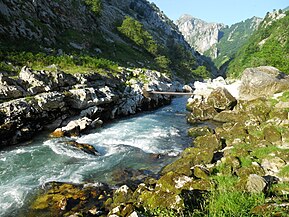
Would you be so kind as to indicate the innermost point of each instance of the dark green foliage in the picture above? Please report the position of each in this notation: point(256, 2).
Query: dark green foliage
point(173, 57)
point(269, 45)
point(135, 31)
point(202, 72)
point(233, 38)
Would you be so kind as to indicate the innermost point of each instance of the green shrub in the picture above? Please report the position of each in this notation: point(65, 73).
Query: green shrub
point(95, 5)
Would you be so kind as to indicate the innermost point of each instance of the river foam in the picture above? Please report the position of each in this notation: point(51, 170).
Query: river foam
point(133, 142)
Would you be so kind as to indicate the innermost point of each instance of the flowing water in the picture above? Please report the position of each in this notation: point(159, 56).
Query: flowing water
point(132, 142)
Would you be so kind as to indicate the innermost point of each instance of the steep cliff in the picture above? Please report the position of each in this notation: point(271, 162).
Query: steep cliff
point(218, 41)
point(269, 45)
point(91, 27)
point(200, 34)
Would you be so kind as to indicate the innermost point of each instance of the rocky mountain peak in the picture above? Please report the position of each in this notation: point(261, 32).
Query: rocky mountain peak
point(200, 34)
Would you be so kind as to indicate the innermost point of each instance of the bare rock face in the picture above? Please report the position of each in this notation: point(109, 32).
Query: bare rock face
point(43, 81)
point(200, 34)
point(262, 81)
point(9, 88)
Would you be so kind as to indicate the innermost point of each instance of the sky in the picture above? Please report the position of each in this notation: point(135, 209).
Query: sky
point(219, 11)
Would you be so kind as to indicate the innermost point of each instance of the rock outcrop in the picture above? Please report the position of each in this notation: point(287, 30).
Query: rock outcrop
point(262, 81)
point(74, 103)
point(200, 34)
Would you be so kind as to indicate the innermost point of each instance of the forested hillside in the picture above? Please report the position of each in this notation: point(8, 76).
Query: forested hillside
point(269, 45)
point(232, 39)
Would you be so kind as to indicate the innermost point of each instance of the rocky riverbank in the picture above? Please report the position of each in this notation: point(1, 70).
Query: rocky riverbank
point(74, 103)
point(238, 168)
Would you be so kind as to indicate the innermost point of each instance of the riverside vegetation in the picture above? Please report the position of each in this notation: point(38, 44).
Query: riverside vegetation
point(74, 80)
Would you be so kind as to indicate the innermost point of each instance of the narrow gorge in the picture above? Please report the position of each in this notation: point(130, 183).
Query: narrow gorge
point(85, 130)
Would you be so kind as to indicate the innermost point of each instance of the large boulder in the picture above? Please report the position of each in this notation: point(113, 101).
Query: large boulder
point(262, 81)
point(221, 99)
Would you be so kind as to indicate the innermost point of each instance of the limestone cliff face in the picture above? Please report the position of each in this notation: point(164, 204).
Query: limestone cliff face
point(200, 34)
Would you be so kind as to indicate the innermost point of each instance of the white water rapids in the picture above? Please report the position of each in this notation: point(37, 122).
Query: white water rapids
point(126, 143)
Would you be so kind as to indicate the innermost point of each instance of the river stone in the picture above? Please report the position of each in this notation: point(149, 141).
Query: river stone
point(32, 80)
point(262, 81)
point(87, 148)
point(272, 134)
point(200, 172)
point(272, 166)
point(65, 199)
point(208, 142)
point(199, 131)
point(82, 98)
point(221, 99)
point(73, 128)
point(256, 184)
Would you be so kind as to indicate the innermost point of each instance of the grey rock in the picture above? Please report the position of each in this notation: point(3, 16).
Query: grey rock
point(256, 184)
point(82, 98)
point(262, 81)
point(10, 89)
point(44, 81)
point(272, 166)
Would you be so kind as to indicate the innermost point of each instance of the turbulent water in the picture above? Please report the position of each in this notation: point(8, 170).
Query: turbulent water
point(127, 143)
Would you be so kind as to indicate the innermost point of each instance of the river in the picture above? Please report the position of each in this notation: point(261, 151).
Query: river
point(132, 143)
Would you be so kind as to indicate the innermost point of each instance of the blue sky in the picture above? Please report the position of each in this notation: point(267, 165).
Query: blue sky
point(221, 11)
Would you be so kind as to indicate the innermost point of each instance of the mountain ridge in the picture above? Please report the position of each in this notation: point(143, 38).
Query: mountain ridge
point(221, 41)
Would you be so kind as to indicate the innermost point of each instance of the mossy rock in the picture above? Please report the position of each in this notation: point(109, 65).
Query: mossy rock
point(228, 116)
point(62, 199)
point(208, 142)
point(256, 131)
point(122, 195)
point(229, 165)
point(280, 189)
point(201, 113)
point(279, 113)
point(200, 172)
point(270, 209)
point(221, 99)
point(154, 200)
point(172, 182)
point(248, 170)
point(203, 185)
point(254, 109)
point(189, 158)
point(272, 134)
point(199, 131)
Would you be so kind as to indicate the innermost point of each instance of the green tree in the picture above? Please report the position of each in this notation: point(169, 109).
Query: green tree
point(135, 31)
point(163, 62)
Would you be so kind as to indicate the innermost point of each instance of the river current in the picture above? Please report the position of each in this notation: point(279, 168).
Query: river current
point(132, 142)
